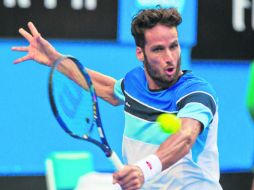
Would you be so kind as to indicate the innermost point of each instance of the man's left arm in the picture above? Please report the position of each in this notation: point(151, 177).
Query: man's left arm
point(169, 152)
point(179, 144)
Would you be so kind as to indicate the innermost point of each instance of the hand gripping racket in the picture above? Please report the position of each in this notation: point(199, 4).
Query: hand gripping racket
point(74, 104)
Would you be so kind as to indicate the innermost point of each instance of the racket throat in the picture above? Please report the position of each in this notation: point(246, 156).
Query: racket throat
point(108, 151)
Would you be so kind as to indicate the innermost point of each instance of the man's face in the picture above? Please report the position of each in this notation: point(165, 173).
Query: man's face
point(161, 57)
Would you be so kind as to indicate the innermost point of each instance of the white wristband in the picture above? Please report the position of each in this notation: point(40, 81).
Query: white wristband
point(150, 166)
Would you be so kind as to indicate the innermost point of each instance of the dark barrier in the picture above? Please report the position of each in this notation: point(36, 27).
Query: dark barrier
point(225, 30)
point(90, 19)
point(229, 181)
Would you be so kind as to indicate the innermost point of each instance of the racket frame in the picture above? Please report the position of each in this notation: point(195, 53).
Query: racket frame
point(96, 115)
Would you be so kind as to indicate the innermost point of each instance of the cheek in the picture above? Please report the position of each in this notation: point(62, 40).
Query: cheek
point(178, 54)
point(156, 60)
point(175, 59)
point(158, 67)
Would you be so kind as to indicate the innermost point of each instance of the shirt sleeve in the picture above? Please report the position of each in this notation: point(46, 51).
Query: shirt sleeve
point(119, 91)
point(199, 105)
point(198, 112)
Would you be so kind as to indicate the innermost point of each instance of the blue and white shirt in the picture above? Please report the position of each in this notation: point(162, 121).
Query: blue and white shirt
point(190, 97)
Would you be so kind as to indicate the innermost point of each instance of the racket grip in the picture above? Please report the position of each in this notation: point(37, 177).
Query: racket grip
point(116, 161)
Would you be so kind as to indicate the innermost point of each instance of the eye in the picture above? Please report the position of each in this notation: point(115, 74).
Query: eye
point(174, 46)
point(157, 49)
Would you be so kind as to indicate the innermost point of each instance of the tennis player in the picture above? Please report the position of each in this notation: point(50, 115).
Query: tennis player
point(186, 160)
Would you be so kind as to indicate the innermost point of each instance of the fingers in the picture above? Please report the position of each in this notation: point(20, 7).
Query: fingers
point(25, 34)
point(119, 175)
point(25, 58)
point(134, 184)
point(130, 181)
point(33, 29)
point(129, 178)
point(24, 48)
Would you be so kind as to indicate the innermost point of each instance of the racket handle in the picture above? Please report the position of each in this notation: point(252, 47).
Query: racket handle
point(116, 161)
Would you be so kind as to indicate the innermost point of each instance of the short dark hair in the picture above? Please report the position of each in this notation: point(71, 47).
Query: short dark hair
point(148, 18)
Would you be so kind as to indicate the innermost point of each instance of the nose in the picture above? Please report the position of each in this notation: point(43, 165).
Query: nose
point(168, 57)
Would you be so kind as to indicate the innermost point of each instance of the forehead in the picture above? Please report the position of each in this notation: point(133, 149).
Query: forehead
point(161, 34)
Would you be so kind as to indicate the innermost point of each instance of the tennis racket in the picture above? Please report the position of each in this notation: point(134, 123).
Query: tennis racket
point(75, 108)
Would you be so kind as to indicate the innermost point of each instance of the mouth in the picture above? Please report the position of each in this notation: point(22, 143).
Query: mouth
point(170, 71)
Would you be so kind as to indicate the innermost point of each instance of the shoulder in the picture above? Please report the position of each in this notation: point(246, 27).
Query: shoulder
point(190, 83)
point(137, 73)
point(193, 89)
point(135, 79)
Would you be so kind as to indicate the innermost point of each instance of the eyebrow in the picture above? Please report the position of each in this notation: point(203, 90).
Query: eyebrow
point(175, 41)
point(160, 45)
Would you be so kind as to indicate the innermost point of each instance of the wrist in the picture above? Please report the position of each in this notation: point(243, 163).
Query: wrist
point(150, 166)
point(58, 60)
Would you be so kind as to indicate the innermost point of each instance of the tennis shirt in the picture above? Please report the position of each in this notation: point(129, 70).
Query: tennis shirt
point(190, 97)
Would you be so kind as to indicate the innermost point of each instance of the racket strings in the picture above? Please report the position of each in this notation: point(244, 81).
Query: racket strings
point(75, 108)
point(74, 104)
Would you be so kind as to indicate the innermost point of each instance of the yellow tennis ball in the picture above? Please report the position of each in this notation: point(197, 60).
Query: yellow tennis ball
point(169, 123)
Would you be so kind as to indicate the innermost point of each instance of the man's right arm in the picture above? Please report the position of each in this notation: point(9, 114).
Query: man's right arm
point(41, 51)
point(104, 87)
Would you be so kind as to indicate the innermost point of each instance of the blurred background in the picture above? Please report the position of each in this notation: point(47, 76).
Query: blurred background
point(217, 44)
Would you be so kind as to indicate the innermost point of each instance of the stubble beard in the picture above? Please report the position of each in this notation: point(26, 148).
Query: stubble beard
point(161, 81)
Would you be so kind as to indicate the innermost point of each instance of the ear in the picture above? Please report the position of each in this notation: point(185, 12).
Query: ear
point(139, 54)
